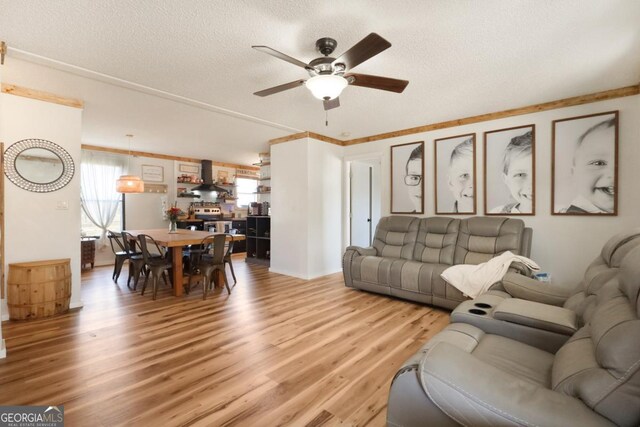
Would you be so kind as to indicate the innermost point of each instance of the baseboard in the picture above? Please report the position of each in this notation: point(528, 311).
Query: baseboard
point(286, 273)
point(76, 304)
point(3, 350)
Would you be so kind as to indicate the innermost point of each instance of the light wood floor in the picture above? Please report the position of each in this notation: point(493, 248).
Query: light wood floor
point(278, 351)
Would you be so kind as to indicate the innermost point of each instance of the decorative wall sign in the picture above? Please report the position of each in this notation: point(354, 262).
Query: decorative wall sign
point(407, 172)
point(455, 174)
point(585, 165)
point(38, 165)
point(509, 171)
point(194, 169)
point(152, 173)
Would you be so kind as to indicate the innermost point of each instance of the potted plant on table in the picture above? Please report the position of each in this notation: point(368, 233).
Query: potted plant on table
point(173, 213)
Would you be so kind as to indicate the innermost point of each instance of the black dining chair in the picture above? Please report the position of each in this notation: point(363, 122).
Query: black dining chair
point(119, 251)
point(136, 260)
point(227, 255)
point(157, 265)
point(207, 261)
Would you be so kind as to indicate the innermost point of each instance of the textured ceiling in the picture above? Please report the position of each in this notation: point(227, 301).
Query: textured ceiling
point(461, 57)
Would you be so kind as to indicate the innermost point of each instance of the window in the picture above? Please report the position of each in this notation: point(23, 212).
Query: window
point(101, 203)
point(90, 229)
point(246, 190)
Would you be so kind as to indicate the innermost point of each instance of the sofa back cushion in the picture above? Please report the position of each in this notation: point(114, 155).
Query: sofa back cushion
point(482, 238)
point(396, 236)
point(436, 241)
point(600, 364)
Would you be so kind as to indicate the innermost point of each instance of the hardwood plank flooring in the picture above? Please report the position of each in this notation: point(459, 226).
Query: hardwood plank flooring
point(277, 351)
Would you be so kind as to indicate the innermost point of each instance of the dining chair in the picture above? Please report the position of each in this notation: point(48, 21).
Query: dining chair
point(155, 262)
point(136, 260)
point(227, 255)
point(119, 252)
point(207, 261)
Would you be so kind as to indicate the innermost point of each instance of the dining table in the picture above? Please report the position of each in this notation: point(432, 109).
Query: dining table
point(174, 241)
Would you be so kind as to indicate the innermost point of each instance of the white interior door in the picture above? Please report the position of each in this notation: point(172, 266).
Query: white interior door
point(365, 201)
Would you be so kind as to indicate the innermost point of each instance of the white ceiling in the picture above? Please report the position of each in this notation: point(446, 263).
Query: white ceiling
point(462, 58)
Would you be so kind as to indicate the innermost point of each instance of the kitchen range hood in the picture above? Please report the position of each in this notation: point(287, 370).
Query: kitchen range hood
point(207, 179)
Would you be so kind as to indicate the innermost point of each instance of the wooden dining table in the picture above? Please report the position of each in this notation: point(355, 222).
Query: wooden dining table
point(175, 241)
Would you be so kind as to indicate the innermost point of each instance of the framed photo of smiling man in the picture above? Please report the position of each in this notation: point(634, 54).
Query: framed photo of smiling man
point(509, 171)
point(407, 171)
point(585, 165)
point(455, 174)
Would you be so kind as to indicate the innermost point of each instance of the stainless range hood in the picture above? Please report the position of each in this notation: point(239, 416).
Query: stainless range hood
point(207, 178)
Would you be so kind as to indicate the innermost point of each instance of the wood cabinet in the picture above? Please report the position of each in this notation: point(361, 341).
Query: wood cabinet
point(87, 251)
point(259, 240)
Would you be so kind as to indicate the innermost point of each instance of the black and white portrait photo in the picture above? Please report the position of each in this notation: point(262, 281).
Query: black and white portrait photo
point(455, 175)
point(585, 160)
point(407, 171)
point(509, 171)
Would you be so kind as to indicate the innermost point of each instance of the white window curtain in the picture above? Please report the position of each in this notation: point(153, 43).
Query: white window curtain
point(100, 201)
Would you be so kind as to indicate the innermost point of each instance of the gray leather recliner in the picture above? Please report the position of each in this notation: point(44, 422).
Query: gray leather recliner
point(530, 311)
point(466, 376)
point(409, 254)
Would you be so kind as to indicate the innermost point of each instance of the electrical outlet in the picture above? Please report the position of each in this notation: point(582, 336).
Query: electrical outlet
point(62, 205)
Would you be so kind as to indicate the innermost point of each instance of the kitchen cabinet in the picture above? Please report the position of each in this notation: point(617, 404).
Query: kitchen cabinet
point(258, 240)
point(241, 226)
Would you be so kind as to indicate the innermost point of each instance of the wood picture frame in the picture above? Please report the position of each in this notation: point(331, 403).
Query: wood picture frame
point(407, 178)
point(510, 171)
point(455, 175)
point(191, 169)
point(152, 173)
point(584, 165)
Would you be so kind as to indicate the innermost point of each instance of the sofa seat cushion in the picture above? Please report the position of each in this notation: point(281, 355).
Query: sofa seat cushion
point(415, 276)
point(524, 361)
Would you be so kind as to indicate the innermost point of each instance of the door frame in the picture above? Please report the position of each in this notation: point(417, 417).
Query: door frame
point(346, 202)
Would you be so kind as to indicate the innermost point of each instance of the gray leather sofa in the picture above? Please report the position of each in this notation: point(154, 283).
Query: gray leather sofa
point(409, 254)
point(542, 314)
point(466, 376)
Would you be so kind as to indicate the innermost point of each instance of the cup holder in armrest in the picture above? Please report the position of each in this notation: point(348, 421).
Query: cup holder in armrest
point(482, 305)
point(477, 311)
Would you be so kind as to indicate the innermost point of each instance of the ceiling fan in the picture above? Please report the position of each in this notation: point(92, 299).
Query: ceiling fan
point(329, 76)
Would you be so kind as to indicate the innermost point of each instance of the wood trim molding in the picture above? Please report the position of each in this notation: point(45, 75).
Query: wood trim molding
point(552, 105)
point(164, 157)
point(288, 138)
point(41, 95)
point(306, 134)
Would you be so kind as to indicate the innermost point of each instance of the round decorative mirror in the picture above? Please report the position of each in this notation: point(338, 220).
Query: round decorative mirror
point(38, 165)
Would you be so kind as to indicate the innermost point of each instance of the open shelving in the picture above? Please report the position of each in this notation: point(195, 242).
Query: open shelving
point(258, 240)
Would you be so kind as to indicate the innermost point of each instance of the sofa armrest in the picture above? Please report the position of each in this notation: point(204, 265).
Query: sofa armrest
point(473, 392)
point(519, 286)
point(363, 251)
point(540, 316)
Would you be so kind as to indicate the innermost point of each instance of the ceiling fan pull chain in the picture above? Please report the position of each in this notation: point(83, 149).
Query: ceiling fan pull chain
point(326, 118)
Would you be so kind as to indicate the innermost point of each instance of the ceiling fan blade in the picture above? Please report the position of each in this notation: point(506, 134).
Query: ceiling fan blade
point(280, 55)
point(365, 49)
point(279, 88)
point(377, 82)
point(331, 103)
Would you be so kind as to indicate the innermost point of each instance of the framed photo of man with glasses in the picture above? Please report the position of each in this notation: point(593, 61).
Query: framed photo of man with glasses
point(407, 172)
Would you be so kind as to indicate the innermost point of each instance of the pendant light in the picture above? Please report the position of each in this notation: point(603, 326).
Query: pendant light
point(129, 183)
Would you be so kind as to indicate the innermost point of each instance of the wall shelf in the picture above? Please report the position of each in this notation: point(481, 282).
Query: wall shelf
point(258, 238)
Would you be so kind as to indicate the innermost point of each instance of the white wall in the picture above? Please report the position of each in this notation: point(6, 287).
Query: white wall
point(307, 208)
point(289, 208)
point(35, 229)
point(562, 245)
point(324, 201)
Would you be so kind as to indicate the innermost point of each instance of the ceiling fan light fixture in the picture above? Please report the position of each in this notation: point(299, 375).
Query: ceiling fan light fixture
point(326, 86)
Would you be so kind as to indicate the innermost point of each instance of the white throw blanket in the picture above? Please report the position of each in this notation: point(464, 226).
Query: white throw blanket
point(472, 280)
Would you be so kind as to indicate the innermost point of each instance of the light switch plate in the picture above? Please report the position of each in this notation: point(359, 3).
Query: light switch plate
point(62, 205)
